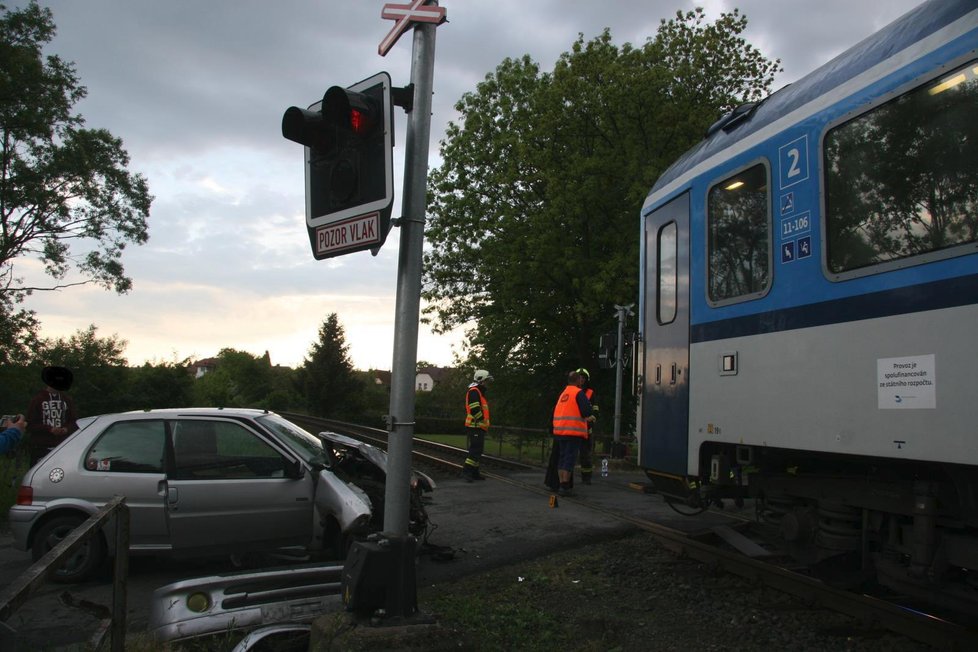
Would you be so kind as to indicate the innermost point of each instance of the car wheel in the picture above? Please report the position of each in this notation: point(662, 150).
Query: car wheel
point(78, 565)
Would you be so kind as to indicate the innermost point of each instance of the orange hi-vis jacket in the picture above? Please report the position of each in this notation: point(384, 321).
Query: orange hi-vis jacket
point(568, 420)
point(476, 414)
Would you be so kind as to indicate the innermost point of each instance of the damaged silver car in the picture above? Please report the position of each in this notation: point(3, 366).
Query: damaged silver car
point(207, 481)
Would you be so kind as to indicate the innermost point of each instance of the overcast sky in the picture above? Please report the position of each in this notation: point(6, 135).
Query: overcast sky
point(196, 90)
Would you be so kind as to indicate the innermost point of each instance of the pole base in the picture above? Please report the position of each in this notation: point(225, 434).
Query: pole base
point(378, 578)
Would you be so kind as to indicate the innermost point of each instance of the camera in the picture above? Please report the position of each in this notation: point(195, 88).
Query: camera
point(9, 418)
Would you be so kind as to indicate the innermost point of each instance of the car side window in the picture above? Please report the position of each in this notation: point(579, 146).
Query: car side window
point(128, 447)
point(221, 450)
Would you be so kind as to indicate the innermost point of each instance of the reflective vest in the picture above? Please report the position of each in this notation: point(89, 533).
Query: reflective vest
point(470, 419)
point(568, 421)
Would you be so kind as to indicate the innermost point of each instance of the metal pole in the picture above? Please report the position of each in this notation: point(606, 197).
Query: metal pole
point(619, 363)
point(408, 308)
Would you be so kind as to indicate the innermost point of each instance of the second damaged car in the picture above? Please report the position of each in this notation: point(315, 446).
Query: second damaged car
point(207, 481)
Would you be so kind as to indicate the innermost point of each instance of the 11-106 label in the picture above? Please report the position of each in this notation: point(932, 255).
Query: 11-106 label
point(792, 226)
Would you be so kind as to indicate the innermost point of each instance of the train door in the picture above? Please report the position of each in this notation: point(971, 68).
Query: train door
point(665, 400)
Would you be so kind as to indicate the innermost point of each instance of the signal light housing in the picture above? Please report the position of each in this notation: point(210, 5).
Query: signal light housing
point(348, 136)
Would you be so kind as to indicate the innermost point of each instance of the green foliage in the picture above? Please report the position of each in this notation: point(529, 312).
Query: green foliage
point(163, 385)
point(18, 333)
point(376, 400)
point(97, 364)
point(102, 381)
point(66, 197)
point(241, 379)
point(83, 349)
point(534, 212)
point(326, 380)
point(447, 399)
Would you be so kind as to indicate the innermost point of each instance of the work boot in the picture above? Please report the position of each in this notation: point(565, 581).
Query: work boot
point(478, 476)
point(564, 490)
point(467, 474)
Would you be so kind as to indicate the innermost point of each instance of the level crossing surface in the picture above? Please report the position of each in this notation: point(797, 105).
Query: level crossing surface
point(508, 518)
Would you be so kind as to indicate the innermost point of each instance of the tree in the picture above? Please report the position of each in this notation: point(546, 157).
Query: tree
point(97, 364)
point(19, 336)
point(66, 196)
point(83, 349)
point(239, 379)
point(160, 385)
point(326, 379)
point(534, 211)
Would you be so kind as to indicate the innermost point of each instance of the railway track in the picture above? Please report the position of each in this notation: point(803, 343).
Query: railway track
point(447, 458)
point(726, 550)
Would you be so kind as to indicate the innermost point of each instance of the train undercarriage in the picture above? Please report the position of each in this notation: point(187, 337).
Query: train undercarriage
point(911, 527)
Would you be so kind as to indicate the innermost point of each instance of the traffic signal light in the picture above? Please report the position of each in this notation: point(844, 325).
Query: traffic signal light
point(348, 136)
point(607, 350)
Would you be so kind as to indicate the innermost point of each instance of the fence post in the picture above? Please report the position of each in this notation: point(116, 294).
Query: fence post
point(17, 592)
point(120, 579)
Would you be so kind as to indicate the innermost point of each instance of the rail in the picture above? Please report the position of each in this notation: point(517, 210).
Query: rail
point(509, 442)
point(424, 450)
point(18, 591)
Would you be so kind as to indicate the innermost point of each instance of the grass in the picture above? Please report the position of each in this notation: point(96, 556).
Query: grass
point(532, 450)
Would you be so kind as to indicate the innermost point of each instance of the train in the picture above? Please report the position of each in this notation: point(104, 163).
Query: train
point(808, 312)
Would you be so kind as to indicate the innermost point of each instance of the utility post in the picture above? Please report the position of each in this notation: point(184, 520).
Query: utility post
point(401, 582)
point(408, 306)
point(348, 137)
point(617, 450)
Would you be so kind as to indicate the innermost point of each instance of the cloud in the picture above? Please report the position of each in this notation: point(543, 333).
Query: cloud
point(196, 91)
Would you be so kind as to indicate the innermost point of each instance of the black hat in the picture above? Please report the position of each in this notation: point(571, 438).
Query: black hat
point(59, 378)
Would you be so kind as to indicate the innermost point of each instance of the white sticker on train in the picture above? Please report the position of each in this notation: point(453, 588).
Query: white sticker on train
point(907, 383)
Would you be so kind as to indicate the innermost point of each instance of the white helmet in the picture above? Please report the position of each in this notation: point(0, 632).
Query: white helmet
point(481, 375)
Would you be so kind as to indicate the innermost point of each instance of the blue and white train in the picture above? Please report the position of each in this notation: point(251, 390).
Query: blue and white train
point(809, 309)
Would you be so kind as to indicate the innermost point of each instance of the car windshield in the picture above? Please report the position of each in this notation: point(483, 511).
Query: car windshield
point(307, 446)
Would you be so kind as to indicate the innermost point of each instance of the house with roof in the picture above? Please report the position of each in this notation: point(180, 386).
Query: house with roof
point(428, 377)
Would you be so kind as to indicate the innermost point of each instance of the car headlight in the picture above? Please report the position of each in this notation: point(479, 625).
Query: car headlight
point(198, 602)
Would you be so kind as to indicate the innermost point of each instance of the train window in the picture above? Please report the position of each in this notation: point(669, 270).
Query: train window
point(902, 180)
point(738, 235)
point(667, 276)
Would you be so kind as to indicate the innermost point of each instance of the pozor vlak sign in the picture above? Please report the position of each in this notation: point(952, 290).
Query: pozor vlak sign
point(348, 138)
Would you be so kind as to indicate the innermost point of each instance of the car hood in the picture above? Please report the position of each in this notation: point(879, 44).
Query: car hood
point(368, 451)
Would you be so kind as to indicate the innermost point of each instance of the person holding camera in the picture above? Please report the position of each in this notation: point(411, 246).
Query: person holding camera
point(13, 429)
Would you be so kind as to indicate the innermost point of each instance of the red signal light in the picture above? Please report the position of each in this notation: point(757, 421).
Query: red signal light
point(358, 122)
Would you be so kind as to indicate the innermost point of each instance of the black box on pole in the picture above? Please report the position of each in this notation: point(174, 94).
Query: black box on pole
point(380, 575)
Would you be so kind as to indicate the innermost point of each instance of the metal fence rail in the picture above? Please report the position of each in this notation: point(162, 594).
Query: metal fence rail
point(18, 591)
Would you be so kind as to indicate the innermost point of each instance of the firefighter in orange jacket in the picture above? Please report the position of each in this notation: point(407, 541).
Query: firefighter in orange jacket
point(476, 424)
point(572, 414)
point(587, 448)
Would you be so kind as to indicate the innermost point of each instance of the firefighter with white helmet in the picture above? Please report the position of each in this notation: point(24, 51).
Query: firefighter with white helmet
point(587, 447)
point(476, 424)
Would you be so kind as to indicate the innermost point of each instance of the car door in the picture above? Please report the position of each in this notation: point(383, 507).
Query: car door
point(228, 489)
point(127, 460)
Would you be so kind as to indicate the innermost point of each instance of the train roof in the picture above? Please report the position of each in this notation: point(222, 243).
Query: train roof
point(912, 27)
